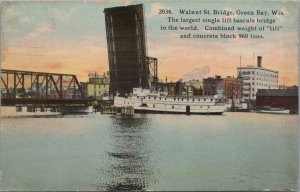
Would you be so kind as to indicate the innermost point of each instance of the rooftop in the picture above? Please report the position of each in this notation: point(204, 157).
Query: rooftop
point(278, 92)
point(255, 67)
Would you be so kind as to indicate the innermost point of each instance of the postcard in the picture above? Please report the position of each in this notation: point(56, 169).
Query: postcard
point(128, 95)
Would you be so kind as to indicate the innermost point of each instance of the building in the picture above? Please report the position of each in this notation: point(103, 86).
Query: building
point(194, 88)
point(212, 84)
point(168, 87)
point(230, 86)
point(126, 45)
point(257, 77)
point(233, 88)
point(97, 86)
point(277, 98)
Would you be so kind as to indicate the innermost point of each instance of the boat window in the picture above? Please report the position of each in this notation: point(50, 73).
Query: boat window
point(165, 98)
point(193, 99)
point(211, 100)
point(154, 97)
point(207, 106)
point(153, 106)
point(149, 97)
point(204, 99)
point(172, 106)
point(174, 99)
point(160, 98)
point(182, 99)
point(201, 106)
point(144, 97)
point(198, 99)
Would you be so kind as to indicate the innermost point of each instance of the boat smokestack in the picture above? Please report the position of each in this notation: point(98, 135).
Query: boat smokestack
point(259, 60)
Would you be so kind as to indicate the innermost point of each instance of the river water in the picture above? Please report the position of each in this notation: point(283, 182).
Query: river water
point(234, 151)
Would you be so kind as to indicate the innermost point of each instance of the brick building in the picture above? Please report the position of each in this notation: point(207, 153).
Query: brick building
point(212, 84)
point(231, 87)
point(277, 98)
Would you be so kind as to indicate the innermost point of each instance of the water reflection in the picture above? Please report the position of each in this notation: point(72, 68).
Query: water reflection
point(130, 163)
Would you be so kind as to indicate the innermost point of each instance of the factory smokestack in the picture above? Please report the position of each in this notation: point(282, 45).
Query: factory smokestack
point(259, 58)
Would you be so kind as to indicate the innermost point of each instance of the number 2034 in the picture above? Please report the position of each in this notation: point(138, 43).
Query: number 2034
point(164, 11)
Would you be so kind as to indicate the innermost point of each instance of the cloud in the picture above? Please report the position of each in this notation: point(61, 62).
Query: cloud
point(54, 66)
point(25, 19)
point(63, 15)
point(197, 73)
point(41, 29)
point(128, 2)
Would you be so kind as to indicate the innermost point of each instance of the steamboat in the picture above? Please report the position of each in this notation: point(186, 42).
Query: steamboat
point(145, 101)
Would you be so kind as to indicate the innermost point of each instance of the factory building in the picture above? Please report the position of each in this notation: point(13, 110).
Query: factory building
point(126, 45)
point(257, 77)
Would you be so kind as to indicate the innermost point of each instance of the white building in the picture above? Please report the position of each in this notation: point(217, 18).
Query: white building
point(257, 77)
point(97, 86)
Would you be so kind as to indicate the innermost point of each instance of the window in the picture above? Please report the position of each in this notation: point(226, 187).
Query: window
point(172, 106)
point(153, 106)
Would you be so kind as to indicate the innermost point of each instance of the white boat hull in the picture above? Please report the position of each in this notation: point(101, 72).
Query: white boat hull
point(171, 105)
point(286, 111)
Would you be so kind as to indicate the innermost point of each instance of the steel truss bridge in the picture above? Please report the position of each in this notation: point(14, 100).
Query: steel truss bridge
point(29, 87)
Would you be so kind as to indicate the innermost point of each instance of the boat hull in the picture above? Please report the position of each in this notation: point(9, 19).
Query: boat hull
point(275, 112)
point(171, 105)
point(176, 112)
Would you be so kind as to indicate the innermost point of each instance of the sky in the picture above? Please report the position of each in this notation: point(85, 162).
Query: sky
point(70, 37)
